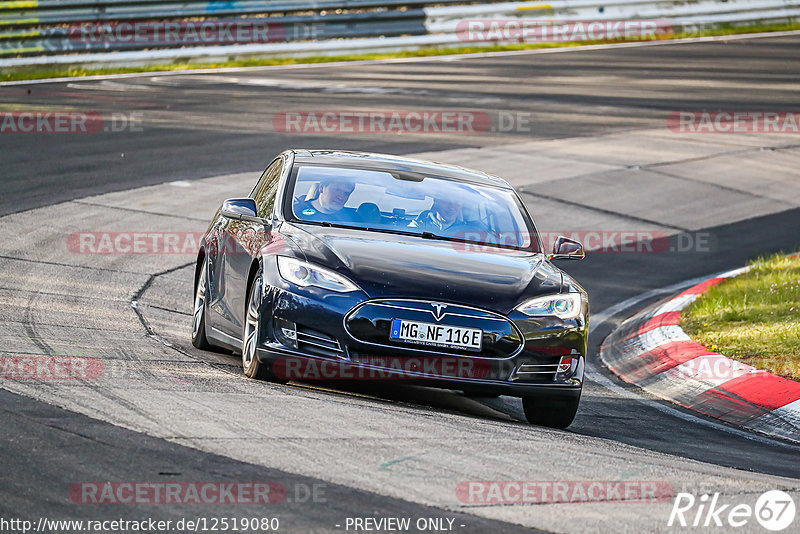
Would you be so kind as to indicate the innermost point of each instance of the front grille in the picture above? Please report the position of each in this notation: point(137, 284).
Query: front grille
point(371, 323)
point(315, 342)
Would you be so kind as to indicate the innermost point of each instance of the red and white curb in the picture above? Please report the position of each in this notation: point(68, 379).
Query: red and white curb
point(651, 351)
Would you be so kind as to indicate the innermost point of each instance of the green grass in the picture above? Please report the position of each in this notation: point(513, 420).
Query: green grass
point(39, 72)
point(753, 318)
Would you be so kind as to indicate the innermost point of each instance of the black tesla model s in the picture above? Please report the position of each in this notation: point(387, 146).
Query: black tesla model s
point(354, 266)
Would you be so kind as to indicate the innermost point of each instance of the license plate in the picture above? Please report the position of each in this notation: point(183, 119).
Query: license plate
point(437, 335)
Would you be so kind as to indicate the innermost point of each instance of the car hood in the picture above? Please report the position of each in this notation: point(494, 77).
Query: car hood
point(390, 265)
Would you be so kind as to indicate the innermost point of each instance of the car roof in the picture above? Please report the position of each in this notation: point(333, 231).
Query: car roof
point(388, 162)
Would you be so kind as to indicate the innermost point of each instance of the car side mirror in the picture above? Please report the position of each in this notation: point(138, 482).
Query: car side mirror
point(566, 249)
point(241, 209)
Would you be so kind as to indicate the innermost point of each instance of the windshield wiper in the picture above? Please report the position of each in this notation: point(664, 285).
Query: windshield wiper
point(431, 235)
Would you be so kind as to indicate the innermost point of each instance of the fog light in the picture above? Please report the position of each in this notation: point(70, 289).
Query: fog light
point(286, 333)
point(566, 367)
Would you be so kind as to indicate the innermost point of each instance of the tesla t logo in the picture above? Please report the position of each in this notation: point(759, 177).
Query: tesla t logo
point(438, 313)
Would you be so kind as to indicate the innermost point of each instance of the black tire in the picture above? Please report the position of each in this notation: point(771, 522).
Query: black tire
point(550, 412)
point(251, 330)
point(199, 338)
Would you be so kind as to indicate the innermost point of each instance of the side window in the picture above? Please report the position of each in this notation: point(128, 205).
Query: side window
point(267, 188)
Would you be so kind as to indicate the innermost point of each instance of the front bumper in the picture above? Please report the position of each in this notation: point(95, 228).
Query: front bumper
point(307, 338)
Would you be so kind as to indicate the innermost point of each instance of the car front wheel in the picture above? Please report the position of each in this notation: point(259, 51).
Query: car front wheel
point(550, 412)
point(199, 339)
point(251, 365)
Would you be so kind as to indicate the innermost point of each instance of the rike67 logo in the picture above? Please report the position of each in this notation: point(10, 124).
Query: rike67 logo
point(774, 510)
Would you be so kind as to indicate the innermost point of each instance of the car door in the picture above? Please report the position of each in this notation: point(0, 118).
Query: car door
point(217, 246)
point(246, 239)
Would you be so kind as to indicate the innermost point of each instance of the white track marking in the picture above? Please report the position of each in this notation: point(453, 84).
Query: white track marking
point(657, 337)
point(676, 304)
point(595, 375)
point(789, 413)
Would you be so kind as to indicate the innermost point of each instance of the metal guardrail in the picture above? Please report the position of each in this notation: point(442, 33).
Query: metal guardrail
point(92, 37)
point(69, 26)
point(25, 13)
point(112, 30)
point(445, 19)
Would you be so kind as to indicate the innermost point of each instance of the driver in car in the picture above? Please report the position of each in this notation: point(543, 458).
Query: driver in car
point(328, 204)
point(445, 214)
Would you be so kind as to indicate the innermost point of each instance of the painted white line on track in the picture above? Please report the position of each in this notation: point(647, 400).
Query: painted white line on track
point(695, 370)
point(790, 412)
point(674, 305)
point(658, 337)
point(451, 57)
point(596, 375)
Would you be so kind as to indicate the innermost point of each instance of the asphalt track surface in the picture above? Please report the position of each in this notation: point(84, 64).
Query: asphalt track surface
point(206, 125)
point(198, 126)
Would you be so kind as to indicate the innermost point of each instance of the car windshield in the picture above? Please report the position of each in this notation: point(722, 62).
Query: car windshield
point(410, 203)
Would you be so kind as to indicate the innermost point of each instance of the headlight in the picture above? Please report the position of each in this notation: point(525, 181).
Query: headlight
point(304, 274)
point(564, 306)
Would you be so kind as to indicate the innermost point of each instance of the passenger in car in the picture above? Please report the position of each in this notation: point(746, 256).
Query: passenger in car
point(445, 214)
